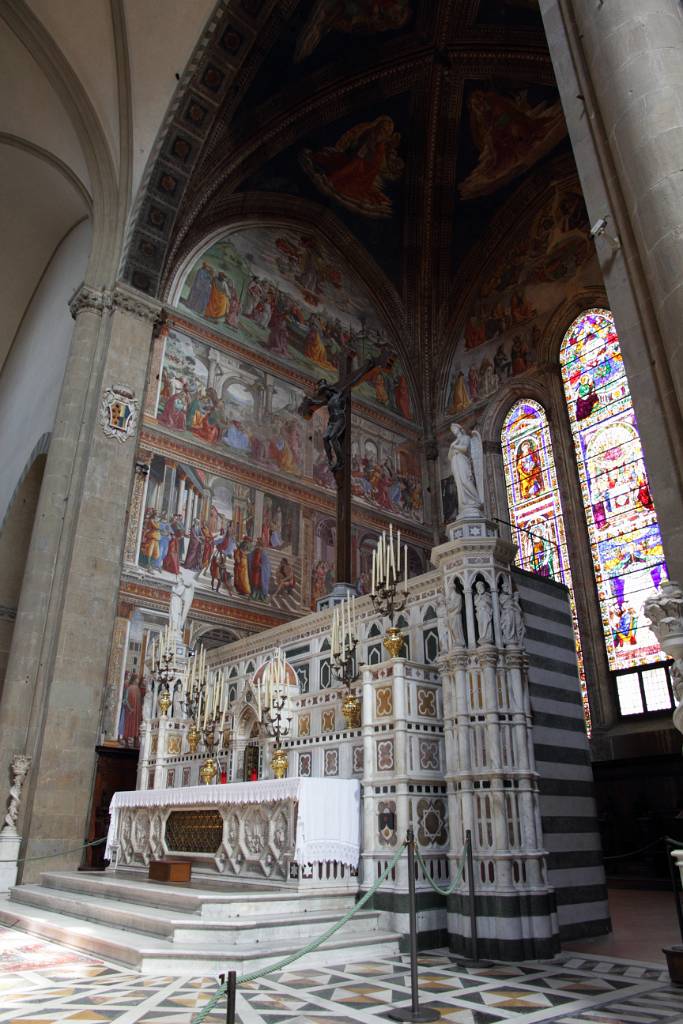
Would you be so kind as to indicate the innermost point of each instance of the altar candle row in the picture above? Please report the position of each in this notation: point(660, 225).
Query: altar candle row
point(273, 684)
point(387, 567)
point(344, 626)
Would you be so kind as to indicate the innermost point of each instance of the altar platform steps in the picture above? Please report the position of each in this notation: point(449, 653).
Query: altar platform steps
point(177, 930)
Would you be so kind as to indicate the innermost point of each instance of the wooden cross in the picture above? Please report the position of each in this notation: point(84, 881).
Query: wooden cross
point(337, 441)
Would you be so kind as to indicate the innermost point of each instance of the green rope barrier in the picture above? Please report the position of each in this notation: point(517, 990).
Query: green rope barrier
point(286, 961)
point(428, 877)
point(59, 853)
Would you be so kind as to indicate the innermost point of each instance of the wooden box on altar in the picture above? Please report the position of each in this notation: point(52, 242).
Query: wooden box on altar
point(170, 871)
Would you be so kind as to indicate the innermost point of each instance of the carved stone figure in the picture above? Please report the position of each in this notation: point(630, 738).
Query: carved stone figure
point(455, 625)
point(665, 612)
point(483, 607)
point(511, 616)
point(467, 466)
point(449, 614)
point(19, 767)
point(182, 594)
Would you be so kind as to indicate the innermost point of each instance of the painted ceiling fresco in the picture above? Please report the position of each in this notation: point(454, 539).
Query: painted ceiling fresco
point(287, 294)
point(408, 127)
point(504, 326)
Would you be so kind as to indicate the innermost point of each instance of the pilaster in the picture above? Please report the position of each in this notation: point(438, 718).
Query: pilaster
point(51, 703)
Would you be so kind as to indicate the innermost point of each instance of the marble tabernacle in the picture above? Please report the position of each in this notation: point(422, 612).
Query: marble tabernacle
point(477, 726)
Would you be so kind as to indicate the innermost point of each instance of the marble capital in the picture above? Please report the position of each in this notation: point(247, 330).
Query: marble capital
point(122, 297)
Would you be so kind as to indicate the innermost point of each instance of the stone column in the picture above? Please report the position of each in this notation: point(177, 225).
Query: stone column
point(619, 70)
point(53, 692)
point(117, 668)
point(136, 517)
point(369, 844)
point(665, 612)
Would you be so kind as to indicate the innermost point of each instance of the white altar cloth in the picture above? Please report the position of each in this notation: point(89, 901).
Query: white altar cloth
point(328, 819)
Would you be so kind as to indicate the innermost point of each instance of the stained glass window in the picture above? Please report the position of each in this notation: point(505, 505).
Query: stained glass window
point(534, 504)
point(626, 544)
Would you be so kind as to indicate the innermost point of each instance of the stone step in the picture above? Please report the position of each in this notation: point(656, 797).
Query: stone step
point(239, 901)
point(281, 925)
point(155, 955)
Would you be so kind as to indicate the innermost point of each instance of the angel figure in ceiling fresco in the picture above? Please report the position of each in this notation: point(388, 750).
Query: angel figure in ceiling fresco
point(511, 135)
point(350, 16)
point(355, 170)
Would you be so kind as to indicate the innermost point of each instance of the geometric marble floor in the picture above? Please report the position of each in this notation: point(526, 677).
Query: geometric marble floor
point(44, 983)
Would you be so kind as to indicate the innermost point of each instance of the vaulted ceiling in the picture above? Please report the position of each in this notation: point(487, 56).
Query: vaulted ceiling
point(413, 132)
point(408, 127)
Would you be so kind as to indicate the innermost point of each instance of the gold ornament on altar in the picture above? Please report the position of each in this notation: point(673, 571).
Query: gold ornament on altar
point(394, 641)
point(386, 597)
point(164, 701)
point(279, 763)
point(351, 711)
point(208, 771)
point(193, 738)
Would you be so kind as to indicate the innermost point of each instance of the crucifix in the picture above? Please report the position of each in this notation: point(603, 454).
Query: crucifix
point(337, 441)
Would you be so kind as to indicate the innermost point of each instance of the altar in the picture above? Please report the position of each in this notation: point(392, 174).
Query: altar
point(294, 831)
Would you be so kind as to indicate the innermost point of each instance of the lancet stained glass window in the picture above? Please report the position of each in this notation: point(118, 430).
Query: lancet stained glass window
point(626, 545)
point(534, 504)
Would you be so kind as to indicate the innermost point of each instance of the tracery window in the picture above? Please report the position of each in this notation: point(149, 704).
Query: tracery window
point(625, 541)
point(535, 506)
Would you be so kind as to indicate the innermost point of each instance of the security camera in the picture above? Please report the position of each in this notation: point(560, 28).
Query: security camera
point(142, 468)
point(599, 227)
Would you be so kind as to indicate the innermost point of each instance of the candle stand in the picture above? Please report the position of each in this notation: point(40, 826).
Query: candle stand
point(389, 563)
point(277, 726)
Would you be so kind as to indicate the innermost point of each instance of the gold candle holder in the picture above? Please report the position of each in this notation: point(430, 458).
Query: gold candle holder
point(165, 701)
point(279, 763)
point(393, 641)
point(193, 738)
point(208, 771)
point(351, 711)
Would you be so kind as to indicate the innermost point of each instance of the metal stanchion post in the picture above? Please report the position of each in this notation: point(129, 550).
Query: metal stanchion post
point(414, 1013)
point(674, 876)
point(474, 937)
point(230, 992)
point(473, 959)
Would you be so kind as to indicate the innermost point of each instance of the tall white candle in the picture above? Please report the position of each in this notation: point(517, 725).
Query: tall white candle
point(405, 566)
point(372, 589)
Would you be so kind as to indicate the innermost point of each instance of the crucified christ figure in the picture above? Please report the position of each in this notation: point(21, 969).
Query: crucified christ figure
point(336, 398)
point(337, 441)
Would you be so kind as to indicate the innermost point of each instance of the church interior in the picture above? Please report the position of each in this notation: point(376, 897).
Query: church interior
point(340, 510)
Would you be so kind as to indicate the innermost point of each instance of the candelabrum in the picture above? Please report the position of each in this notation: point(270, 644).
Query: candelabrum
point(277, 725)
point(211, 735)
point(344, 664)
point(165, 671)
point(387, 598)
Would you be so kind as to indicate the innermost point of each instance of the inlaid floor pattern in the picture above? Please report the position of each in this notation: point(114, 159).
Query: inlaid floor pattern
point(43, 983)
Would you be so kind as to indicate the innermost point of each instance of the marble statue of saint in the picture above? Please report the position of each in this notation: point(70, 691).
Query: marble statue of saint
point(466, 456)
point(182, 593)
point(456, 629)
point(483, 607)
point(449, 614)
point(511, 617)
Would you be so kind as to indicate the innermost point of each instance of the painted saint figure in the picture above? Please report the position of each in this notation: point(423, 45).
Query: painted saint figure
point(529, 470)
point(200, 291)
